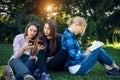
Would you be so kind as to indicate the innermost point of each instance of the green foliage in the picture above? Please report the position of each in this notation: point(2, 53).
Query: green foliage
point(7, 29)
point(61, 28)
point(18, 17)
point(102, 17)
point(23, 21)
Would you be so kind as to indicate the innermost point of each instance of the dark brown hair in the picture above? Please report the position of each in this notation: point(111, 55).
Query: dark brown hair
point(52, 46)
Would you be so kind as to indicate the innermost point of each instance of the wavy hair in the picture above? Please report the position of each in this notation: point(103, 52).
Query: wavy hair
point(36, 38)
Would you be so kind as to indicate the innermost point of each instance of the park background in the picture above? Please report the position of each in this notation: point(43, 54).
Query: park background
point(102, 16)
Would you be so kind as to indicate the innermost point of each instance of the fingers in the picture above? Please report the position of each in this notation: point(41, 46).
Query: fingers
point(31, 46)
point(28, 46)
point(40, 47)
point(49, 58)
point(87, 52)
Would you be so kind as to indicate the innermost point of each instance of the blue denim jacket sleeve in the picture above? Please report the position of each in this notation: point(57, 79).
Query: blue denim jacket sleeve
point(71, 45)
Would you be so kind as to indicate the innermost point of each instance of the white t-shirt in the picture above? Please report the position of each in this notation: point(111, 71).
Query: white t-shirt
point(74, 69)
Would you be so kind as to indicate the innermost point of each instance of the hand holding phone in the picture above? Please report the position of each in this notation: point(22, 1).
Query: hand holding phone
point(31, 41)
point(41, 42)
point(41, 45)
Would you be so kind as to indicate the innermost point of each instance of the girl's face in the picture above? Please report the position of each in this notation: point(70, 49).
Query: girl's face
point(78, 29)
point(47, 30)
point(32, 31)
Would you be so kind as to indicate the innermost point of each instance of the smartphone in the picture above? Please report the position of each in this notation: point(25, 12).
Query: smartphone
point(41, 42)
point(31, 41)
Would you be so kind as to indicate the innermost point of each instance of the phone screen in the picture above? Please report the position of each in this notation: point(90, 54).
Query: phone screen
point(31, 41)
point(41, 43)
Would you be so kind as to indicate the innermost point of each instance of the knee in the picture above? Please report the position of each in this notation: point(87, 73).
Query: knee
point(12, 62)
point(16, 60)
point(100, 49)
point(97, 51)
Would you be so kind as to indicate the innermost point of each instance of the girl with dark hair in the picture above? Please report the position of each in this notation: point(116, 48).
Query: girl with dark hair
point(54, 54)
point(55, 57)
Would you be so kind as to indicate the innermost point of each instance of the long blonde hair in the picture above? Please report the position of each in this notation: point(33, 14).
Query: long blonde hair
point(80, 20)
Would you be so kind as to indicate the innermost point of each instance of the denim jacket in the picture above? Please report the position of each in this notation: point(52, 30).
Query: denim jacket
point(72, 47)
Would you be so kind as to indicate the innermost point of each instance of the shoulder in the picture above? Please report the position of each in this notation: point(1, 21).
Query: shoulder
point(19, 39)
point(67, 37)
point(43, 37)
point(68, 34)
point(19, 36)
point(58, 35)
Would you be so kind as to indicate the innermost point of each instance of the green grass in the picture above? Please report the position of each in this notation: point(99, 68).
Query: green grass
point(97, 73)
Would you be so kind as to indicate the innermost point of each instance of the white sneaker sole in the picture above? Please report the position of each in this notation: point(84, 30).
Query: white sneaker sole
point(8, 73)
point(29, 77)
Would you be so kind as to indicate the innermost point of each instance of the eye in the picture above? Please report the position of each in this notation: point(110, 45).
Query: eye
point(35, 31)
point(30, 30)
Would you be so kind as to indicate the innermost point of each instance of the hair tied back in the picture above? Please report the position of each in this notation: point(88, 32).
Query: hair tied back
point(70, 21)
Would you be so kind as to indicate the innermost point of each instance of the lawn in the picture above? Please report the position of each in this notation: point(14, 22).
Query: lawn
point(97, 73)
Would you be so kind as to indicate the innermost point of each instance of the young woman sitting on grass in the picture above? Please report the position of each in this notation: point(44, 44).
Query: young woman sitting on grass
point(26, 48)
point(81, 63)
point(55, 56)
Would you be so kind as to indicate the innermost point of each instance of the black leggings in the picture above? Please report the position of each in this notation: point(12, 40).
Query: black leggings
point(57, 63)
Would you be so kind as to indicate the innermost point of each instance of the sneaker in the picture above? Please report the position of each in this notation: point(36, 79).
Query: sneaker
point(36, 73)
point(113, 72)
point(45, 76)
point(118, 70)
point(8, 73)
point(28, 77)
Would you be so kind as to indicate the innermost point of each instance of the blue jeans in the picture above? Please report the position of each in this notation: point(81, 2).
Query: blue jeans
point(98, 55)
point(22, 66)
